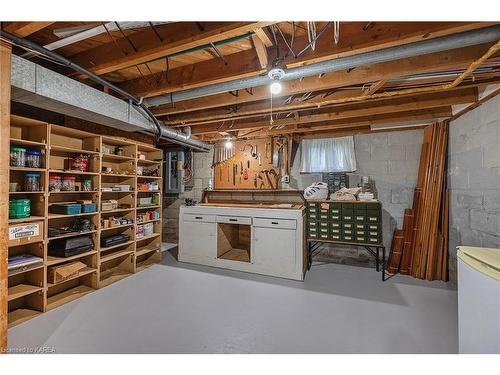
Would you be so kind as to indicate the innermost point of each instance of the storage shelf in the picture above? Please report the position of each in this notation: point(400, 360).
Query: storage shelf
point(21, 315)
point(27, 169)
point(141, 266)
point(26, 142)
point(148, 237)
point(114, 255)
point(149, 221)
point(146, 207)
point(114, 157)
point(71, 172)
point(113, 277)
point(72, 150)
point(117, 227)
point(28, 219)
point(67, 296)
point(82, 272)
point(148, 162)
point(74, 234)
point(149, 191)
point(22, 290)
point(118, 192)
point(59, 216)
point(145, 250)
point(53, 260)
point(116, 246)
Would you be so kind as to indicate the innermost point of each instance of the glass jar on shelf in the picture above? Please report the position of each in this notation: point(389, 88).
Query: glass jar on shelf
point(68, 183)
point(32, 182)
point(87, 184)
point(55, 182)
point(33, 159)
point(17, 156)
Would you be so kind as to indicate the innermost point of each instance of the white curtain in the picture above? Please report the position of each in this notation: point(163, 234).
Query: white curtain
point(327, 155)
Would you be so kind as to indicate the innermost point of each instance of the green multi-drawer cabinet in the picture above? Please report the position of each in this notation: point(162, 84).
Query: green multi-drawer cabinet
point(356, 222)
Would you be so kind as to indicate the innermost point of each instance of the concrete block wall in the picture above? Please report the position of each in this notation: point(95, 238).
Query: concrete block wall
point(392, 160)
point(474, 179)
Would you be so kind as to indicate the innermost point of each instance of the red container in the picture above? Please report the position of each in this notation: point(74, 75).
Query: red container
point(80, 163)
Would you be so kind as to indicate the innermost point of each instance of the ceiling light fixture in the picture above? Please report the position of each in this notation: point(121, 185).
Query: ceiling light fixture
point(276, 74)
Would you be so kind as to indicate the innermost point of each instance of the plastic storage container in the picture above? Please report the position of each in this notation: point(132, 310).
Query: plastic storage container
point(32, 182)
point(19, 208)
point(17, 156)
point(87, 184)
point(66, 208)
point(80, 163)
point(68, 183)
point(55, 182)
point(33, 159)
point(88, 208)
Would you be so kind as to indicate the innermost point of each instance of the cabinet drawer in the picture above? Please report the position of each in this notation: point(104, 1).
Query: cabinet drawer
point(323, 236)
point(359, 218)
point(373, 227)
point(348, 232)
point(323, 217)
point(275, 223)
point(359, 226)
point(347, 238)
point(360, 232)
point(360, 239)
point(335, 237)
point(335, 231)
point(323, 224)
point(234, 219)
point(372, 219)
point(347, 225)
point(374, 240)
point(334, 225)
point(348, 217)
point(334, 217)
point(199, 217)
point(335, 211)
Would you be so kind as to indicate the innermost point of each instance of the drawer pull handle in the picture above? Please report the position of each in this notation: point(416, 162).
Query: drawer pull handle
point(274, 222)
point(233, 219)
point(198, 217)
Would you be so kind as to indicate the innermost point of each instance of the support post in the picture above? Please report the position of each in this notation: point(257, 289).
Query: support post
point(5, 73)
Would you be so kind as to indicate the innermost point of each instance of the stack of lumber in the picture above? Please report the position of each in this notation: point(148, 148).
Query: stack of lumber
point(422, 252)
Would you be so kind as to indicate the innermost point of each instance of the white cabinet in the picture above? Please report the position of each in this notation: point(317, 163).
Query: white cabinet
point(274, 251)
point(197, 241)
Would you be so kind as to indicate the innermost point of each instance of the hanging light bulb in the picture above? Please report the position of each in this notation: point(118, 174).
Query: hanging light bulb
point(228, 143)
point(275, 88)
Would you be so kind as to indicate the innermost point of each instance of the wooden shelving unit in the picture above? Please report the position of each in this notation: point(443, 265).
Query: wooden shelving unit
point(29, 292)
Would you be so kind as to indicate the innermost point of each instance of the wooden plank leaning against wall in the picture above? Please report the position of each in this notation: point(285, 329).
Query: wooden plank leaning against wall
point(5, 64)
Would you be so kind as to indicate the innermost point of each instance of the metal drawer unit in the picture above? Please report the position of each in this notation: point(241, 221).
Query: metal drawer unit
point(355, 223)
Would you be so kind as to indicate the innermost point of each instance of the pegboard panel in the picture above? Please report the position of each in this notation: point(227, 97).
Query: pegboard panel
point(245, 162)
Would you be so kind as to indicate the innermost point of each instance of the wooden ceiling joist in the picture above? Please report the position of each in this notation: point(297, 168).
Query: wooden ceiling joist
point(261, 51)
point(24, 29)
point(399, 104)
point(107, 58)
point(447, 60)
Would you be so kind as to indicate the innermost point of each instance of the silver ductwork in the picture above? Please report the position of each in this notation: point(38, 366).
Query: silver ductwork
point(459, 40)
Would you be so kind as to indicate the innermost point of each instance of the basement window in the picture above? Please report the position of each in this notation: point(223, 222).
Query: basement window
point(327, 155)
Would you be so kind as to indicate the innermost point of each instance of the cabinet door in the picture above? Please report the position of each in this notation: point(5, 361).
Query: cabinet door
point(274, 250)
point(197, 241)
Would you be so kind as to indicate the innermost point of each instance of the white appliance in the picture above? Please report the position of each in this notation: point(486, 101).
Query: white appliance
point(478, 300)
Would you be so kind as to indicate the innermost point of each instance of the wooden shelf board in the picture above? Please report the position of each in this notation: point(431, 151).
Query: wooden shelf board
point(117, 175)
point(23, 270)
point(141, 266)
point(148, 162)
point(116, 157)
point(146, 207)
point(117, 227)
point(113, 277)
point(67, 296)
point(72, 150)
point(71, 235)
point(149, 191)
point(149, 221)
point(27, 169)
point(19, 316)
point(145, 250)
point(73, 192)
point(118, 210)
point(238, 255)
point(70, 172)
point(154, 235)
point(114, 255)
point(149, 177)
point(28, 219)
point(83, 272)
point(116, 246)
point(27, 142)
point(21, 290)
point(26, 192)
point(118, 192)
point(60, 216)
point(52, 260)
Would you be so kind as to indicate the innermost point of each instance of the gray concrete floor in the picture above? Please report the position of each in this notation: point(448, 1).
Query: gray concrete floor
point(180, 308)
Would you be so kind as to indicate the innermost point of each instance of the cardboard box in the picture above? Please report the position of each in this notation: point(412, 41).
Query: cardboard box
point(24, 233)
point(56, 274)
